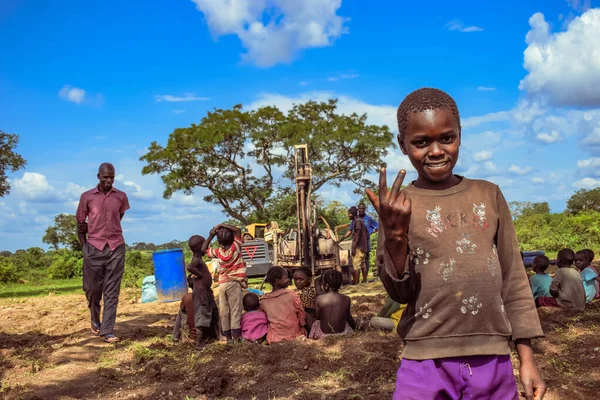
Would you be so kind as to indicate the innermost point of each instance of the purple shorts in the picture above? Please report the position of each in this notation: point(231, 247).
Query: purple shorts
point(468, 378)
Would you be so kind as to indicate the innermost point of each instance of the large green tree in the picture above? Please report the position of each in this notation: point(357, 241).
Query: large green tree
point(584, 200)
point(63, 232)
point(243, 157)
point(9, 160)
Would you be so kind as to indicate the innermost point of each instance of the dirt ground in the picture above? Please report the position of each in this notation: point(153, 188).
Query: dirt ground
point(48, 352)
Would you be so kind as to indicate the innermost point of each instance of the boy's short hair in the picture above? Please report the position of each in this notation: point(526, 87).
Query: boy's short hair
point(565, 257)
point(541, 262)
point(353, 211)
point(589, 254)
point(421, 100)
point(251, 301)
point(195, 242)
point(333, 278)
point(275, 273)
point(225, 236)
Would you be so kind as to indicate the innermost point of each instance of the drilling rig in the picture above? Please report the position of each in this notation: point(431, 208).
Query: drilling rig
point(307, 245)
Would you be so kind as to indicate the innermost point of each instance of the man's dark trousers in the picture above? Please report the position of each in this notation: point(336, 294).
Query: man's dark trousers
point(102, 274)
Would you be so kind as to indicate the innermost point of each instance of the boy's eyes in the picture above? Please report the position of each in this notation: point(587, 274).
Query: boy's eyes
point(448, 139)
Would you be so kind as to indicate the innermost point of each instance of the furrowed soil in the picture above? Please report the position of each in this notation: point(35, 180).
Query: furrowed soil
point(48, 352)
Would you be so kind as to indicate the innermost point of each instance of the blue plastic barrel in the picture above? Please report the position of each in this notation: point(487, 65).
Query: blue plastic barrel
point(169, 271)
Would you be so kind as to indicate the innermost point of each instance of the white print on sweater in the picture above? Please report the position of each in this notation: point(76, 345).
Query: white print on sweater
point(436, 225)
point(471, 305)
point(446, 269)
point(465, 245)
point(421, 256)
point(424, 312)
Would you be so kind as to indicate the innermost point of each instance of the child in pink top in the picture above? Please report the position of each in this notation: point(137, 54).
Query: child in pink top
point(283, 307)
point(254, 321)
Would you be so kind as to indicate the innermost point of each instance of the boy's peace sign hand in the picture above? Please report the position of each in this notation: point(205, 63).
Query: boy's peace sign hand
point(393, 206)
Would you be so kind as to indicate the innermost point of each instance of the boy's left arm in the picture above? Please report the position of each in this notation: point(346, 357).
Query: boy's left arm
point(349, 318)
point(518, 300)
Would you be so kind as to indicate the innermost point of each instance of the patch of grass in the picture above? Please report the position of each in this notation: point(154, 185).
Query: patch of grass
point(41, 288)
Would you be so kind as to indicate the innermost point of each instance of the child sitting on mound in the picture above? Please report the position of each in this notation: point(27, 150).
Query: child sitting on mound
point(333, 308)
point(186, 311)
point(307, 293)
point(283, 308)
point(540, 282)
point(567, 286)
point(589, 276)
point(254, 321)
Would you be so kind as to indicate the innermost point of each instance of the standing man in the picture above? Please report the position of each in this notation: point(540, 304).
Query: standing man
point(103, 249)
point(360, 238)
point(372, 227)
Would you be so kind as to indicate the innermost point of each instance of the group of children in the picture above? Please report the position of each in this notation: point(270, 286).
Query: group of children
point(574, 285)
point(316, 310)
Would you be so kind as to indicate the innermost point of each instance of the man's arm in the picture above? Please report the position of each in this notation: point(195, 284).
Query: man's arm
point(194, 269)
point(80, 216)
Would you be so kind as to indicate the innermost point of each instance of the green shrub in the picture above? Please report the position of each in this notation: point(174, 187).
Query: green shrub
point(66, 264)
point(8, 271)
point(137, 266)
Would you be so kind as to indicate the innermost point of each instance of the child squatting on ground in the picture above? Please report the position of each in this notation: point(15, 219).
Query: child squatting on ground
point(254, 321)
point(283, 308)
point(540, 283)
point(333, 308)
point(451, 254)
point(232, 277)
point(206, 314)
point(186, 311)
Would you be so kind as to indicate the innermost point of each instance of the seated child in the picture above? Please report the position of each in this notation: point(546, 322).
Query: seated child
point(388, 317)
point(206, 313)
point(186, 310)
point(283, 308)
point(307, 293)
point(333, 308)
point(254, 321)
point(589, 277)
point(540, 282)
point(567, 286)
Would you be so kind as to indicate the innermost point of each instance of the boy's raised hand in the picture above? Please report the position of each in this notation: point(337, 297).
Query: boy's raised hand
point(393, 206)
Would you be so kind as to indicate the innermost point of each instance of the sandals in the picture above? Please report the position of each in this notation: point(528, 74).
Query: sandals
point(95, 328)
point(110, 338)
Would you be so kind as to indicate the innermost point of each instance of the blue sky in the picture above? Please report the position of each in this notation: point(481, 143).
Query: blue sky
point(83, 83)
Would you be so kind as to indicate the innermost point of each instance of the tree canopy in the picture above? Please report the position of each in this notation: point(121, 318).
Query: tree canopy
point(63, 232)
point(243, 157)
point(584, 200)
point(9, 160)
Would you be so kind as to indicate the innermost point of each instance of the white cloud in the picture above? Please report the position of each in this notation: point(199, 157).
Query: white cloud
point(593, 162)
point(34, 187)
point(303, 83)
point(74, 191)
point(177, 99)
point(139, 193)
point(579, 5)
point(483, 155)
point(537, 180)
point(376, 114)
point(273, 31)
point(472, 122)
point(515, 169)
point(489, 166)
point(72, 93)
point(593, 138)
point(99, 137)
point(342, 77)
point(486, 89)
point(178, 111)
point(564, 67)
point(587, 183)
point(548, 138)
point(457, 25)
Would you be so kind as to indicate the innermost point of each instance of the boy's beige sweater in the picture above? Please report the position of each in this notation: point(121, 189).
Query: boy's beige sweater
point(464, 284)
